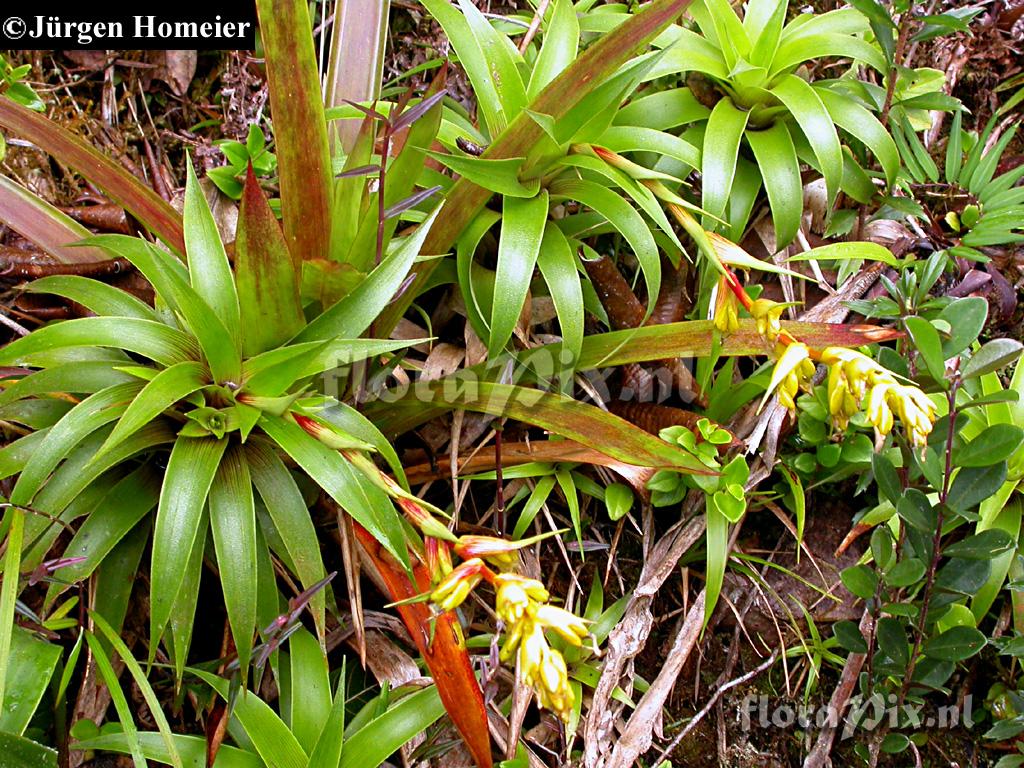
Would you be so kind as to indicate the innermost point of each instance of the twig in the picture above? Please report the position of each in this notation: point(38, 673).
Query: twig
point(11, 265)
point(534, 25)
point(16, 327)
point(901, 44)
point(711, 702)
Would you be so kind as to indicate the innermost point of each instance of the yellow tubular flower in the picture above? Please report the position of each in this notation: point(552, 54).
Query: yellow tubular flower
point(515, 595)
point(726, 315)
point(532, 649)
point(554, 691)
point(565, 623)
point(854, 375)
point(879, 412)
point(793, 371)
point(768, 314)
point(456, 586)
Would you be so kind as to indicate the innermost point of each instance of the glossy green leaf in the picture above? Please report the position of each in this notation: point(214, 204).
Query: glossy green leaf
point(717, 534)
point(94, 295)
point(794, 51)
point(208, 265)
point(595, 65)
point(500, 176)
point(626, 138)
point(266, 274)
point(776, 158)
point(190, 471)
point(928, 345)
point(310, 689)
point(182, 622)
point(473, 60)
point(973, 485)
point(502, 60)
point(80, 422)
point(274, 742)
point(217, 343)
point(522, 228)
point(191, 748)
point(158, 395)
point(84, 377)
point(864, 126)
point(113, 518)
point(367, 503)
point(721, 146)
point(559, 47)
point(992, 356)
point(20, 752)
point(121, 706)
point(30, 666)
point(158, 342)
point(372, 744)
point(626, 220)
point(814, 120)
point(139, 677)
point(327, 752)
point(954, 644)
point(993, 444)
point(557, 264)
point(233, 524)
point(291, 518)
point(892, 640)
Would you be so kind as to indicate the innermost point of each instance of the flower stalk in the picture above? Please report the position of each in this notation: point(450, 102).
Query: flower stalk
point(521, 603)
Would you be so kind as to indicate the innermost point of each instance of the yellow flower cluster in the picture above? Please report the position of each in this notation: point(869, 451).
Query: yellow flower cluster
point(522, 605)
point(854, 376)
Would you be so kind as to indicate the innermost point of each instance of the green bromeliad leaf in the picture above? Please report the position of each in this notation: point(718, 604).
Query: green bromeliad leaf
point(190, 472)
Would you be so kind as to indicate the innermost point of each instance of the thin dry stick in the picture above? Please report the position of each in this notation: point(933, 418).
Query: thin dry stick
point(534, 25)
point(16, 327)
point(711, 702)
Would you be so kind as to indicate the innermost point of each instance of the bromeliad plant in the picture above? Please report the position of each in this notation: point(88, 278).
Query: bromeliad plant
point(968, 207)
point(228, 390)
point(555, 193)
point(759, 99)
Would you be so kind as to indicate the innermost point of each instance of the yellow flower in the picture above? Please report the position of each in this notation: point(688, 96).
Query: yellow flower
point(879, 412)
point(565, 623)
point(543, 668)
point(854, 376)
point(726, 314)
point(841, 403)
point(554, 691)
point(916, 412)
point(768, 314)
point(793, 371)
point(515, 595)
point(449, 594)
